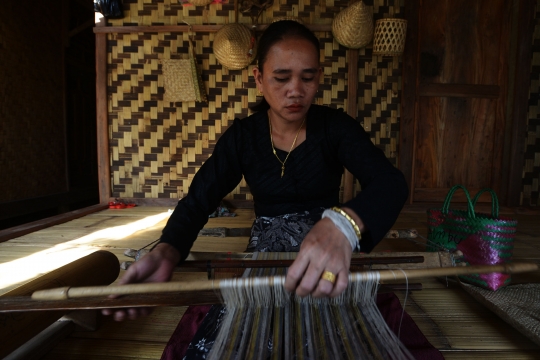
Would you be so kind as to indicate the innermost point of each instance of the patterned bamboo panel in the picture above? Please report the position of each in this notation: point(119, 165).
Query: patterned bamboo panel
point(157, 147)
point(32, 141)
point(530, 195)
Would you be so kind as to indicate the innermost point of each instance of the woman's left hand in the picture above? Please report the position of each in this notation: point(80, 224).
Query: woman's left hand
point(324, 248)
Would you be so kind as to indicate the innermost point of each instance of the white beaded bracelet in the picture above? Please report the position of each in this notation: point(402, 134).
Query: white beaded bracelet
point(344, 226)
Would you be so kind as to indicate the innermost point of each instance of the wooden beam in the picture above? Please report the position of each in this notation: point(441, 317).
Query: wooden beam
point(184, 28)
point(460, 90)
point(13, 209)
point(170, 202)
point(104, 165)
point(430, 194)
point(409, 95)
point(522, 85)
point(26, 304)
point(482, 207)
point(21, 230)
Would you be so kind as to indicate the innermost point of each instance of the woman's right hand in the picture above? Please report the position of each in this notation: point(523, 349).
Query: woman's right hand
point(156, 266)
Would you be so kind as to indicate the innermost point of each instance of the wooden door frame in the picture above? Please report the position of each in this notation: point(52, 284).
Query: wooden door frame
point(409, 81)
point(101, 31)
point(522, 84)
point(102, 124)
point(518, 105)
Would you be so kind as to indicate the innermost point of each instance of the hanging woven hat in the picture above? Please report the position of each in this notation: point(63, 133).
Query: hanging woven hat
point(234, 46)
point(353, 26)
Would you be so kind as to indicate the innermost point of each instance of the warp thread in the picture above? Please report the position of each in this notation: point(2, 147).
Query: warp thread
point(263, 321)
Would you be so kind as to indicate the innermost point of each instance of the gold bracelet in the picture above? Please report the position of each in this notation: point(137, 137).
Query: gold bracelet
point(350, 219)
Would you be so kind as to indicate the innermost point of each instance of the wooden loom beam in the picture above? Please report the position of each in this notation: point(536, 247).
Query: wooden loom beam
point(17, 304)
point(98, 268)
point(26, 304)
point(383, 275)
point(286, 263)
point(430, 259)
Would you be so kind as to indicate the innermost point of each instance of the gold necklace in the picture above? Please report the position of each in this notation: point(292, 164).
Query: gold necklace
point(292, 146)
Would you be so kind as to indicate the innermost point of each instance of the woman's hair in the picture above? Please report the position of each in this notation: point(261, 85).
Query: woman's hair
point(275, 33)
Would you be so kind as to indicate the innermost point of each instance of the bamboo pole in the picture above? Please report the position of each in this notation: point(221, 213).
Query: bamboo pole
point(384, 275)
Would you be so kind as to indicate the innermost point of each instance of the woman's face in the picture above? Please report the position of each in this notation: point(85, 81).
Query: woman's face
point(290, 78)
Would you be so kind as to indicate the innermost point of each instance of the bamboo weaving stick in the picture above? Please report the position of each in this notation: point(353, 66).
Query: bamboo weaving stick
point(384, 275)
point(27, 304)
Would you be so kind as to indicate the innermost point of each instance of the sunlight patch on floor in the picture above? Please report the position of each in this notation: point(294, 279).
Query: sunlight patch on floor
point(18, 271)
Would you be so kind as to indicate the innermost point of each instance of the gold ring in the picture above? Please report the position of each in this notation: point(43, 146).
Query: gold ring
point(329, 276)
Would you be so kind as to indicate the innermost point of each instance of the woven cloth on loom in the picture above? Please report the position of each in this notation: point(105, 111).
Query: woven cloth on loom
point(302, 330)
point(518, 305)
point(388, 305)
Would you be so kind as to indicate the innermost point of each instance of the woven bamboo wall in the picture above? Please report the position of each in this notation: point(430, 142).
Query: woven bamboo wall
point(530, 195)
point(156, 147)
point(32, 144)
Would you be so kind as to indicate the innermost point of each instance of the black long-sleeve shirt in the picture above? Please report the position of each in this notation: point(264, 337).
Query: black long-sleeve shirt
point(312, 176)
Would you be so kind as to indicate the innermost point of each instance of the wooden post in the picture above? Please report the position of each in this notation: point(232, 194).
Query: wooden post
point(103, 159)
point(65, 44)
point(522, 84)
point(408, 96)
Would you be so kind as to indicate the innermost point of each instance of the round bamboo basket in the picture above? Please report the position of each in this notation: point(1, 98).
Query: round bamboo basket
point(234, 46)
point(353, 26)
point(389, 38)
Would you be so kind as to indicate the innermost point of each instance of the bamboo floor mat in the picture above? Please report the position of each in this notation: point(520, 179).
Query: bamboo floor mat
point(452, 320)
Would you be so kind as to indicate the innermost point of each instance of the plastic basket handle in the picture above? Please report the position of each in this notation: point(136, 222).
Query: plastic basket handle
point(470, 205)
point(494, 201)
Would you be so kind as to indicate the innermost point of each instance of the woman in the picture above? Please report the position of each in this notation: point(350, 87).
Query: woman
point(292, 154)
